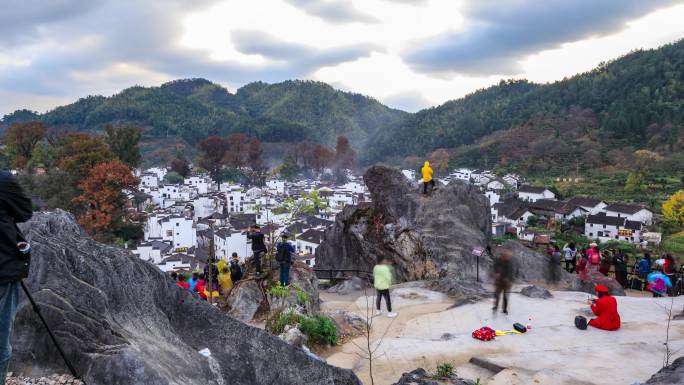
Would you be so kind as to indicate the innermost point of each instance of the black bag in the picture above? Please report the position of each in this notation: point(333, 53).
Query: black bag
point(581, 322)
point(519, 327)
point(636, 284)
point(281, 255)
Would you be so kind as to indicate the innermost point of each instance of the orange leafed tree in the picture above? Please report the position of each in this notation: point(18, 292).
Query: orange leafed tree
point(102, 197)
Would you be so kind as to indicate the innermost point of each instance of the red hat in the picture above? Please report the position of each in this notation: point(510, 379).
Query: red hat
point(601, 289)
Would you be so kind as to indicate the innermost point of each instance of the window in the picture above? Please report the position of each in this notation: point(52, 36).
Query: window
point(600, 234)
point(177, 224)
point(591, 234)
point(169, 233)
point(616, 237)
point(604, 226)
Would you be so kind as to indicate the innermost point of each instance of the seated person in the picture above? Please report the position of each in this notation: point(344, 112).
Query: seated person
point(605, 308)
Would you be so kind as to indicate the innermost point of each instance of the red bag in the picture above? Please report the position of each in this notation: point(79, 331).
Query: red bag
point(484, 334)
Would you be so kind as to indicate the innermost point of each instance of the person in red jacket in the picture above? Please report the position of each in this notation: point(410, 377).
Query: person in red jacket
point(605, 308)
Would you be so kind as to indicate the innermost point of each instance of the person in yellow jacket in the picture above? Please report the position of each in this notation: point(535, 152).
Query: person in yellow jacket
point(225, 282)
point(427, 177)
point(382, 280)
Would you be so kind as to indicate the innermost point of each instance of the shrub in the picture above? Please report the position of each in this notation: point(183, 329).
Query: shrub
point(320, 330)
point(445, 370)
point(276, 324)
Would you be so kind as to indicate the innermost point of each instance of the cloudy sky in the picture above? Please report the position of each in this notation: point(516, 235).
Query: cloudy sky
point(409, 54)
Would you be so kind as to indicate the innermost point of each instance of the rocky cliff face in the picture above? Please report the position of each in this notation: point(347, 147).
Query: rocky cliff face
point(426, 237)
point(122, 321)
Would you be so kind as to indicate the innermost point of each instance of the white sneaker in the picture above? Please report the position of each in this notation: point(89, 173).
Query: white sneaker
point(391, 314)
point(378, 313)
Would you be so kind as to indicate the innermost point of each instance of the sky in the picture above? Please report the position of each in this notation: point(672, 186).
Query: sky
point(408, 54)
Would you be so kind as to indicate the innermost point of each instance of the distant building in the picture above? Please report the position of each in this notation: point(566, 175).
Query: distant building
point(533, 194)
point(609, 228)
point(631, 212)
point(592, 205)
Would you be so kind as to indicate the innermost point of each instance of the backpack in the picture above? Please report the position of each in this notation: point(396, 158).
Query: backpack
point(484, 334)
point(282, 253)
point(581, 322)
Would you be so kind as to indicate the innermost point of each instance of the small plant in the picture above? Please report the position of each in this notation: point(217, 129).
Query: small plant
point(277, 323)
point(279, 291)
point(445, 370)
point(477, 382)
point(320, 330)
point(302, 296)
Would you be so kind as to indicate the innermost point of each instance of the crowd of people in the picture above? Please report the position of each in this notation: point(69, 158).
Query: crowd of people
point(219, 277)
point(657, 276)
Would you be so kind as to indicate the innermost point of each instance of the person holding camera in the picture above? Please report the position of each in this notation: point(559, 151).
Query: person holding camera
point(258, 246)
point(15, 207)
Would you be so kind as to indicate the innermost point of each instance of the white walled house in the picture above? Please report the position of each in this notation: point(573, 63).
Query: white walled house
point(631, 212)
point(235, 198)
point(277, 186)
point(206, 205)
point(463, 174)
point(159, 171)
point(608, 228)
point(174, 263)
point(149, 180)
point(308, 241)
point(228, 241)
point(201, 184)
point(176, 229)
point(353, 187)
point(533, 194)
point(495, 185)
point(409, 174)
point(592, 205)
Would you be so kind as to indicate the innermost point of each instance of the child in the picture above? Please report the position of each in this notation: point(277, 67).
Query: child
point(382, 278)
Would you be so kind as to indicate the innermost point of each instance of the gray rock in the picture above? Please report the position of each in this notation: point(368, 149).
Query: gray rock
point(295, 337)
point(122, 321)
point(426, 237)
point(422, 377)
point(532, 266)
point(245, 300)
point(349, 285)
point(669, 375)
point(587, 281)
point(535, 292)
point(348, 325)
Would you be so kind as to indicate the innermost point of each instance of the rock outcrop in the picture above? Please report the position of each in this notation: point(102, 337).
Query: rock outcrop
point(535, 292)
point(587, 281)
point(669, 375)
point(122, 321)
point(532, 266)
point(427, 237)
point(248, 300)
point(422, 377)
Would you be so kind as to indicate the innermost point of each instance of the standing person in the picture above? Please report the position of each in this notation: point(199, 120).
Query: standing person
point(644, 268)
point(605, 309)
point(182, 283)
point(284, 251)
point(15, 207)
point(554, 264)
point(593, 257)
point(620, 261)
point(258, 246)
point(503, 279)
point(581, 262)
point(606, 260)
point(658, 283)
point(427, 177)
point(225, 282)
point(211, 274)
point(382, 280)
point(570, 257)
point(193, 281)
point(235, 269)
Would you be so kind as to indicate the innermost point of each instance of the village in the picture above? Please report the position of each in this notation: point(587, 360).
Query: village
point(180, 220)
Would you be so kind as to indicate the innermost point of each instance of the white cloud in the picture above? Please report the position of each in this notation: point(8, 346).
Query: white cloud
point(102, 46)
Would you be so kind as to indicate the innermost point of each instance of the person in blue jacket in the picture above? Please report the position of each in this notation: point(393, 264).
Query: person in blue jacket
point(284, 252)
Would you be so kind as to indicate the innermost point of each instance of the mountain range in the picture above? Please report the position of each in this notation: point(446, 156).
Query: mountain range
point(631, 103)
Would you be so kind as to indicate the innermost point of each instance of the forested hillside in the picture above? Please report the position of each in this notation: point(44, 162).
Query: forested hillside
point(193, 109)
point(627, 97)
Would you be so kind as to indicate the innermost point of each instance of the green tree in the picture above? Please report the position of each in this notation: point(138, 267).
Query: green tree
point(173, 177)
point(124, 142)
point(21, 139)
point(289, 169)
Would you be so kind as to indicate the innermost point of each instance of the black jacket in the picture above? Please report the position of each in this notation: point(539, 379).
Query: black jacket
point(257, 241)
point(15, 207)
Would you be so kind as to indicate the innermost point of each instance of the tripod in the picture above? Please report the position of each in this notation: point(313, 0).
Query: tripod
point(35, 307)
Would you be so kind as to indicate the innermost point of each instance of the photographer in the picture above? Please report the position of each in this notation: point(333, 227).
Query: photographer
point(15, 207)
point(258, 246)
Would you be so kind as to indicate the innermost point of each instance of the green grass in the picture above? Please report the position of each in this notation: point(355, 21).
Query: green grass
point(674, 244)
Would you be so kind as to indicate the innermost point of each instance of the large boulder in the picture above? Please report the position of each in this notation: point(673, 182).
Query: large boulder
point(587, 281)
point(530, 265)
point(427, 237)
point(422, 377)
point(669, 375)
point(249, 299)
point(123, 321)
